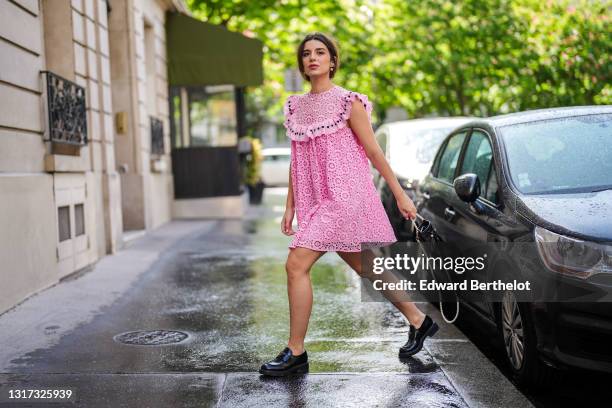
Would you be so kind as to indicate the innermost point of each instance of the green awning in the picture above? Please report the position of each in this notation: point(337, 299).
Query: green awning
point(200, 53)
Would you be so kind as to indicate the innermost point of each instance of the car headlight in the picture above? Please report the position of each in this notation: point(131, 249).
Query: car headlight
point(571, 256)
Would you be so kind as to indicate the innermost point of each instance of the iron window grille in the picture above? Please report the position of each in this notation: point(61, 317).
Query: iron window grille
point(157, 136)
point(66, 110)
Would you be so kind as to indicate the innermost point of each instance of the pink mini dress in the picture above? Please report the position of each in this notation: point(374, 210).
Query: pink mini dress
point(337, 205)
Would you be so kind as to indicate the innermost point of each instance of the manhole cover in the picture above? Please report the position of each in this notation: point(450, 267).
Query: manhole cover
point(151, 337)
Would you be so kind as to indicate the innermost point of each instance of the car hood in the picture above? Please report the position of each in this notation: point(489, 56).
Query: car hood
point(586, 215)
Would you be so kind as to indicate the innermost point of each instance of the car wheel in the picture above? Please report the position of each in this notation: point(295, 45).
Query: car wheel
point(513, 331)
point(517, 335)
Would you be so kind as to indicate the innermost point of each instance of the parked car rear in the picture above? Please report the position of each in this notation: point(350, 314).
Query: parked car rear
point(409, 147)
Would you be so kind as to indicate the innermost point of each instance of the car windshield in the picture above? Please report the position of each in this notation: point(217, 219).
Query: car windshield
point(564, 155)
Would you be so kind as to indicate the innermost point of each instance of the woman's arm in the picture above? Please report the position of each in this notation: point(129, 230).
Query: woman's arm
point(290, 202)
point(360, 124)
point(287, 220)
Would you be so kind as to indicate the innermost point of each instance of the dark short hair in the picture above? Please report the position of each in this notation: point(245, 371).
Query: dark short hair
point(329, 42)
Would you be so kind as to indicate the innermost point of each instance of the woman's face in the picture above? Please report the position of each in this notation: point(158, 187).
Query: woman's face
point(316, 58)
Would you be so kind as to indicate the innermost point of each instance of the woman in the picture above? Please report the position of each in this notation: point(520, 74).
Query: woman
point(333, 195)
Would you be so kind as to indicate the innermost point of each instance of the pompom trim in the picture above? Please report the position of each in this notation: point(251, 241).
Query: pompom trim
point(299, 132)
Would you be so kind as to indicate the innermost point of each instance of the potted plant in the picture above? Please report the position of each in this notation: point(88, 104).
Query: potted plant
point(253, 171)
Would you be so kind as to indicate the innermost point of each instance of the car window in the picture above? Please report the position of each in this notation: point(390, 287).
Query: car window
point(478, 158)
point(448, 159)
point(491, 190)
point(436, 164)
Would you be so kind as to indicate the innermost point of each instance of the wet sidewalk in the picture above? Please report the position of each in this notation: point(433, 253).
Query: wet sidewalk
point(220, 284)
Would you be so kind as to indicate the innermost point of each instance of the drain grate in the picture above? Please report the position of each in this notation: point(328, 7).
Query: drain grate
point(151, 337)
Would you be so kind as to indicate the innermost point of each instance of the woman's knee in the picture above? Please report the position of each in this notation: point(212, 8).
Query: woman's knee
point(295, 268)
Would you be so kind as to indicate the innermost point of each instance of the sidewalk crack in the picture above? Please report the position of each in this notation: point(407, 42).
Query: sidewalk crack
point(222, 389)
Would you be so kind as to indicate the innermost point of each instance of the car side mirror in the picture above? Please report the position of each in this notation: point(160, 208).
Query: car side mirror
point(467, 187)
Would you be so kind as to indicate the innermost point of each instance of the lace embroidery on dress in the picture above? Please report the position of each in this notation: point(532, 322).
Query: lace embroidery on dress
point(310, 115)
point(336, 202)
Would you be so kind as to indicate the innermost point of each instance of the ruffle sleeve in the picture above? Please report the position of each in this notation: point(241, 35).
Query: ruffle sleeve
point(364, 101)
point(288, 107)
point(337, 121)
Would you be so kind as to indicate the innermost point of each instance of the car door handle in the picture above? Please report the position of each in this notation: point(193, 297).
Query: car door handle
point(426, 195)
point(449, 213)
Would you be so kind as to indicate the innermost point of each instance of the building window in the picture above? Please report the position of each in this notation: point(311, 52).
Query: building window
point(211, 116)
point(157, 136)
point(79, 220)
point(63, 217)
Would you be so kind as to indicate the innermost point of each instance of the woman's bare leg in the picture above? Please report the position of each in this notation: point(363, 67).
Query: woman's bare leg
point(299, 289)
point(408, 309)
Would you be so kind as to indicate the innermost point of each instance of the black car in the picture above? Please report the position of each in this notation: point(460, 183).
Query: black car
point(409, 146)
point(542, 177)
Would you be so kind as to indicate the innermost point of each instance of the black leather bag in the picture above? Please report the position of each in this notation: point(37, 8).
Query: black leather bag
point(425, 231)
point(427, 237)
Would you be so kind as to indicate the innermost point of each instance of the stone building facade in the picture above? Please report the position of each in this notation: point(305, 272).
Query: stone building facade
point(63, 205)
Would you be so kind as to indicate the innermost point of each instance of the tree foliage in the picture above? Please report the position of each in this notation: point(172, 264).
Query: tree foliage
point(436, 57)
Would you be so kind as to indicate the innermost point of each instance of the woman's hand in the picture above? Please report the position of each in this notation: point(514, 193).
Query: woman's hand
point(406, 207)
point(287, 221)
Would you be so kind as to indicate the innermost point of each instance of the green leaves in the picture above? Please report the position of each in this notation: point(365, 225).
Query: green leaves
point(437, 57)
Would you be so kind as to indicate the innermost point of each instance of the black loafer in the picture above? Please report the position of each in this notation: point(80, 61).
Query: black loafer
point(428, 328)
point(411, 335)
point(285, 364)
